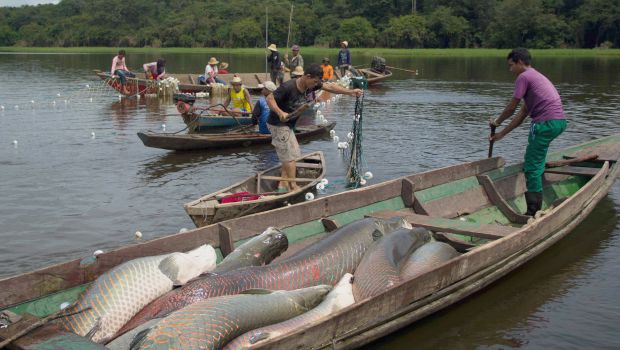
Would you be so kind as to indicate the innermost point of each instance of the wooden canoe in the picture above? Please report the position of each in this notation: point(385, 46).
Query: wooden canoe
point(473, 206)
point(188, 83)
point(208, 209)
point(373, 76)
point(197, 141)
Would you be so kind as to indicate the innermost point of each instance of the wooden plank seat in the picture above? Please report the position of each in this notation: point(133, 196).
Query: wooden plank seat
point(279, 178)
point(309, 165)
point(573, 170)
point(496, 199)
point(447, 225)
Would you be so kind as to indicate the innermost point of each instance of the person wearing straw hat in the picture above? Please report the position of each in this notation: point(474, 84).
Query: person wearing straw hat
point(239, 96)
point(287, 98)
point(260, 113)
point(344, 58)
point(211, 72)
point(296, 61)
point(328, 70)
point(297, 72)
point(276, 64)
point(223, 68)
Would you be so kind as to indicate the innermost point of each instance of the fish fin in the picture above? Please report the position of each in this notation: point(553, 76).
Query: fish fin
point(257, 291)
point(94, 330)
point(139, 338)
point(258, 336)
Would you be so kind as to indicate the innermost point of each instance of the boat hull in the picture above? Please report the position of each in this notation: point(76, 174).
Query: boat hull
point(197, 141)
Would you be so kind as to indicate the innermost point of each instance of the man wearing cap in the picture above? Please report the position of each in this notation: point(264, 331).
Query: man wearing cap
point(344, 58)
point(211, 72)
point(283, 101)
point(260, 113)
point(295, 61)
point(239, 96)
point(276, 64)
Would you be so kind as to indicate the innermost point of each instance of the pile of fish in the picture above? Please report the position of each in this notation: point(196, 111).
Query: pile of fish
point(246, 299)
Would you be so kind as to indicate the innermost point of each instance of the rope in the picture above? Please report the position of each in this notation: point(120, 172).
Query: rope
point(353, 155)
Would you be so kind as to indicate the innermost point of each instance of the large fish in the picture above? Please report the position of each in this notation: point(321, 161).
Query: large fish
point(260, 250)
point(212, 323)
point(380, 267)
point(323, 262)
point(427, 257)
point(339, 298)
point(116, 296)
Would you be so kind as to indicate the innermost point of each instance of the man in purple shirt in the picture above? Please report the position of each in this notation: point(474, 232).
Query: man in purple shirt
point(543, 104)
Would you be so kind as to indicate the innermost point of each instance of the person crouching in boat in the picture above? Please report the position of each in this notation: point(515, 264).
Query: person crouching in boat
point(155, 70)
point(284, 100)
point(211, 72)
point(239, 96)
point(223, 68)
point(120, 69)
point(544, 105)
point(328, 70)
point(260, 113)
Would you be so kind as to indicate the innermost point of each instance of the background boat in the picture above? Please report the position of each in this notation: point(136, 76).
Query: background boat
point(211, 208)
point(196, 141)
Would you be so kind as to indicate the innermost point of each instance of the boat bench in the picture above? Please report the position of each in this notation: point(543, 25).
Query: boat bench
point(573, 170)
point(440, 224)
point(309, 165)
point(279, 178)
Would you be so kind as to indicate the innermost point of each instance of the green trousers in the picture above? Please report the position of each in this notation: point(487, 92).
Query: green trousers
point(541, 135)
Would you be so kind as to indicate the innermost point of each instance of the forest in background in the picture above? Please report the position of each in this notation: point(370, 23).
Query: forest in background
point(321, 23)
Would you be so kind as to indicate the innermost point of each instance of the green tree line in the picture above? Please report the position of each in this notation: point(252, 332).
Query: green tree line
point(323, 23)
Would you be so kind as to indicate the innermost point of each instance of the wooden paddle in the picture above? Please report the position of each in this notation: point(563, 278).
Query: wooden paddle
point(493, 127)
point(296, 113)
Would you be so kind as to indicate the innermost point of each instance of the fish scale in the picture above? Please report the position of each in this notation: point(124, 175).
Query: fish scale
point(116, 296)
point(380, 267)
point(307, 268)
point(211, 323)
point(338, 298)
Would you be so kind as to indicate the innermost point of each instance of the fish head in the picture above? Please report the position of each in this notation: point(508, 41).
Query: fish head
point(182, 267)
point(341, 295)
point(273, 243)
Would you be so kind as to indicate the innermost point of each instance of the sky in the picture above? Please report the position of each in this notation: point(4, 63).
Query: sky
point(26, 2)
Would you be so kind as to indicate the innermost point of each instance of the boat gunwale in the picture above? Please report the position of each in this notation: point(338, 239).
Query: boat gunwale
point(526, 237)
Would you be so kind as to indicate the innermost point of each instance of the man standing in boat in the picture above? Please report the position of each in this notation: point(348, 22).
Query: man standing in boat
point(296, 61)
point(276, 65)
point(287, 98)
point(544, 105)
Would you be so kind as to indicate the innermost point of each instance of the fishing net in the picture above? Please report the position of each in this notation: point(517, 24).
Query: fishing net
point(353, 155)
point(219, 92)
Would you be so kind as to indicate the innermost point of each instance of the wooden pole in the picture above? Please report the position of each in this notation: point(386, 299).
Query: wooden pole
point(288, 36)
point(403, 69)
point(491, 142)
point(266, 38)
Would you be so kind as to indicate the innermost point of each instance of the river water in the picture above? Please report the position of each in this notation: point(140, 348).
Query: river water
point(65, 193)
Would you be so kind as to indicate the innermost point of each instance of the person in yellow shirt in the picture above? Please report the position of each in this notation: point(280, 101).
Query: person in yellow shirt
point(328, 70)
point(239, 96)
